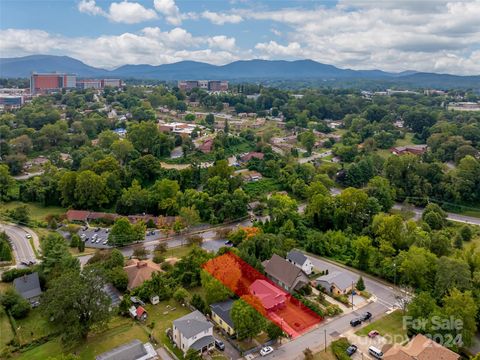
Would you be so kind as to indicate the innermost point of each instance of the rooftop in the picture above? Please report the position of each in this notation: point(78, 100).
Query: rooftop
point(222, 309)
point(28, 286)
point(192, 324)
point(297, 257)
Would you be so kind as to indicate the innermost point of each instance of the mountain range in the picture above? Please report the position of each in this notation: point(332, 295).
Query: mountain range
point(244, 70)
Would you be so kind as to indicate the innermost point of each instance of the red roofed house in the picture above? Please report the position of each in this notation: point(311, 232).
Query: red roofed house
point(141, 313)
point(271, 297)
point(207, 146)
point(251, 155)
point(409, 149)
point(77, 215)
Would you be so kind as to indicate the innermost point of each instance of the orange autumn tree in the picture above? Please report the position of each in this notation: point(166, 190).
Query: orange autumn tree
point(225, 269)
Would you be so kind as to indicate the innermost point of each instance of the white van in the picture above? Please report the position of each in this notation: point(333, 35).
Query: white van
point(376, 353)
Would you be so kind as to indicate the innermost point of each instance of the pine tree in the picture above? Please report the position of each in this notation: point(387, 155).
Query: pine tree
point(360, 284)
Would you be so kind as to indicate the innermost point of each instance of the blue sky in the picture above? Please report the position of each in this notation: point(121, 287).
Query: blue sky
point(436, 35)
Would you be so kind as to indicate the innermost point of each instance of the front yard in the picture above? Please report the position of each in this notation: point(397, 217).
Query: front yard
point(390, 326)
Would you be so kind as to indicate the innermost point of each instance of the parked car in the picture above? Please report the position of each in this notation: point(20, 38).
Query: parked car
point(85, 228)
point(366, 316)
point(373, 333)
point(376, 353)
point(105, 242)
point(266, 350)
point(83, 236)
point(352, 349)
point(219, 344)
point(28, 236)
point(228, 243)
point(107, 230)
point(97, 229)
point(355, 322)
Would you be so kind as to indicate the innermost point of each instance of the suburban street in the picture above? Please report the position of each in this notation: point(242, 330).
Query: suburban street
point(20, 243)
point(333, 328)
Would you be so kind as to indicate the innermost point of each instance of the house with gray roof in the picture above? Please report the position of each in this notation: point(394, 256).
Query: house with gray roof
point(336, 282)
point(300, 260)
point(285, 274)
point(221, 315)
point(193, 331)
point(28, 286)
point(134, 350)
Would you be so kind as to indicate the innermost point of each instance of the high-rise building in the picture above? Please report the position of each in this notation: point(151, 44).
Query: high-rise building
point(51, 82)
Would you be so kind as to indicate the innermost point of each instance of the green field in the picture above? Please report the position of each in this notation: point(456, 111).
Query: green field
point(37, 211)
point(6, 332)
point(390, 325)
point(258, 188)
point(33, 327)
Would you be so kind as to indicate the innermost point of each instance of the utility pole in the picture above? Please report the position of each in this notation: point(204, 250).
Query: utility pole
point(394, 274)
point(352, 294)
point(325, 333)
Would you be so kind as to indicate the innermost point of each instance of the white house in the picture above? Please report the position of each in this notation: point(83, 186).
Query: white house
point(300, 260)
point(193, 331)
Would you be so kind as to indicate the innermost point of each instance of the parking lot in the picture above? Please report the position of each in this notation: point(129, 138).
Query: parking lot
point(95, 238)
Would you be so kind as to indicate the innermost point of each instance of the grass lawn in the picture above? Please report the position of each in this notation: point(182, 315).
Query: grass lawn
point(120, 330)
point(178, 251)
point(163, 318)
point(37, 211)
point(6, 332)
point(258, 188)
point(408, 140)
point(391, 325)
point(33, 327)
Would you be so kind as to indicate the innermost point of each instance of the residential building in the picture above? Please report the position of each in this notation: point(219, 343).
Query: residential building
point(51, 82)
point(420, 348)
point(138, 313)
point(285, 274)
point(409, 149)
point(336, 282)
point(221, 316)
point(251, 155)
point(134, 350)
point(206, 147)
point(271, 297)
point(301, 261)
point(28, 286)
point(139, 271)
point(210, 85)
point(193, 331)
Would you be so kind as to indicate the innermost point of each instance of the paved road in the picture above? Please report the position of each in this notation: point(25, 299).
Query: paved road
point(28, 175)
point(21, 245)
point(333, 328)
point(418, 211)
point(303, 160)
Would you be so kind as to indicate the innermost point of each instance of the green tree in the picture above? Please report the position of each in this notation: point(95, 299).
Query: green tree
point(21, 214)
point(75, 241)
point(247, 321)
point(6, 183)
point(193, 355)
point(379, 188)
point(418, 267)
point(210, 119)
point(462, 306)
point(215, 291)
point(434, 216)
point(452, 273)
point(360, 284)
point(180, 295)
point(15, 304)
point(123, 232)
point(76, 303)
point(90, 190)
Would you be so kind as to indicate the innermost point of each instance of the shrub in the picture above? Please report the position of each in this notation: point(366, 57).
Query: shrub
point(10, 275)
point(14, 303)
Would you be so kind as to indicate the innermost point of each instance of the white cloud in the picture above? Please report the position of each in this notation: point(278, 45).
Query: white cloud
point(90, 7)
point(273, 49)
point(149, 46)
point(168, 9)
point(130, 13)
point(221, 19)
point(440, 36)
point(222, 42)
point(121, 12)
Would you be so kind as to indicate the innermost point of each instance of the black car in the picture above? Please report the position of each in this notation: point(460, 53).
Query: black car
point(352, 349)
point(228, 243)
point(366, 316)
point(355, 322)
point(219, 344)
point(97, 229)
